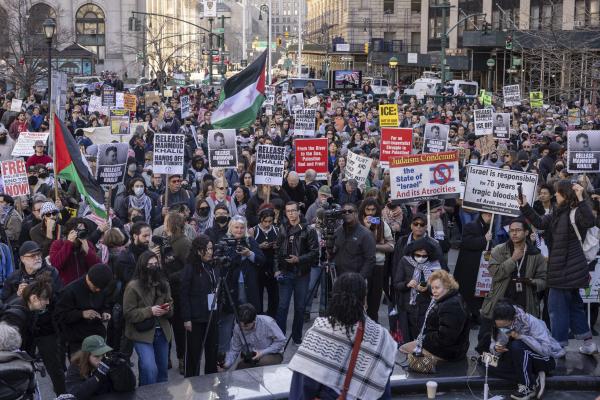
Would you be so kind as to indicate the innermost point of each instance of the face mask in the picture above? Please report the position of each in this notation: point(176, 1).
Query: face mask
point(420, 260)
point(155, 274)
point(132, 168)
point(203, 212)
point(559, 168)
point(138, 191)
point(494, 159)
point(44, 175)
point(473, 161)
point(33, 180)
point(221, 220)
point(505, 331)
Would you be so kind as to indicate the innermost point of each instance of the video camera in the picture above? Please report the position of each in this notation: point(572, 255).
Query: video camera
point(166, 250)
point(332, 213)
point(115, 359)
point(224, 247)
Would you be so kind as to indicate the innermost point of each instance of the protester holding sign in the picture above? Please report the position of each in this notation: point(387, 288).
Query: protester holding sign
point(222, 151)
point(436, 138)
point(583, 149)
point(483, 121)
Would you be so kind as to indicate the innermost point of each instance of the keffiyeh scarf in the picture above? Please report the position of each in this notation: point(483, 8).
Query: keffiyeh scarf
point(426, 269)
point(142, 203)
point(325, 353)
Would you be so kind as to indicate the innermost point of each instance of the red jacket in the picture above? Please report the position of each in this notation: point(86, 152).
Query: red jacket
point(71, 264)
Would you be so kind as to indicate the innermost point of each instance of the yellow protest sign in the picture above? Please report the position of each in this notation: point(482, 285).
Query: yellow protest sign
point(130, 102)
point(388, 115)
point(536, 99)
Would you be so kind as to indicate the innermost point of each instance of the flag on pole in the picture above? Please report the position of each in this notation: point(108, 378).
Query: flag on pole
point(241, 97)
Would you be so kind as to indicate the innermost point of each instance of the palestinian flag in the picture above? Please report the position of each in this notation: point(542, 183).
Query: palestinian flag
point(241, 97)
point(70, 165)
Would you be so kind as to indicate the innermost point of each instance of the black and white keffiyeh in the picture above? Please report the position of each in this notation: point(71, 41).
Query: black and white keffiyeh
point(325, 353)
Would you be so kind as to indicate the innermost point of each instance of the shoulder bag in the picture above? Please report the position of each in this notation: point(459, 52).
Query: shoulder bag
point(355, 349)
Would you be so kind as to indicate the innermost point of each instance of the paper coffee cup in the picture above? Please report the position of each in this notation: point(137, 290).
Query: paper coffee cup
point(431, 389)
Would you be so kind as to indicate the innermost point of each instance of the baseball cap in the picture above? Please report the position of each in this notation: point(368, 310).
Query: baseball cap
point(417, 216)
point(29, 247)
point(95, 345)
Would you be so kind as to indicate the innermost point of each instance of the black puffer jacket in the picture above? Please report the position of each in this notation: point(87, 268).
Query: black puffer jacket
point(567, 266)
point(446, 333)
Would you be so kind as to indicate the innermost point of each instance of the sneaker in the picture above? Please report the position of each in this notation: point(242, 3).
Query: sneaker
point(540, 384)
point(589, 349)
point(523, 393)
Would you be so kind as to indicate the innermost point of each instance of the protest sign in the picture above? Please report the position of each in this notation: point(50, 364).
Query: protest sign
point(119, 100)
point(591, 293)
point(26, 141)
point(151, 97)
point(59, 92)
point(15, 105)
point(119, 121)
point(304, 122)
point(574, 117)
point(14, 176)
point(284, 91)
point(108, 96)
point(167, 93)
point(483, 285)
point(101, 135)
point(222, 148)
point(485, 145)
point(512, 95)
point(536, 99)
point(295, 102)
point(435, 138)
point(357, 167)
point(130, 102)
point(95, 105)
point(394, 142)
point(138, 128)
point(388, 115)
point(494, 190)
point(484, 123)
point(185, 106)
point(269, 165)
point(269, 96)
point(425, 176)
point(311, 154)
point(167, 157)
point(501, 125)
point(485, 98)
point(111, 161)
point(583, 151)
point(313, 101)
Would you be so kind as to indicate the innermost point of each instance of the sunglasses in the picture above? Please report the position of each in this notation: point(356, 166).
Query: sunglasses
point(53, 213)
point(421, 224)
point(221, 188)
point(346, 212)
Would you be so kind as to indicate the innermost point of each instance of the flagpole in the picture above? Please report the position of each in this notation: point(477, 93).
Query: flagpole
point(53, 137)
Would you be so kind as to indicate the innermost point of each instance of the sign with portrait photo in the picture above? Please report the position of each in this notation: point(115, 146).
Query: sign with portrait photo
point(435, 138)
point(222, 148)
point(295, 102)
point(583, 151)
point(501, 125)
point(111, 161)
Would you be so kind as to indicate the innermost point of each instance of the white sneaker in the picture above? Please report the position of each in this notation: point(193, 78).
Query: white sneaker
point(588, 349)
point(541, 384)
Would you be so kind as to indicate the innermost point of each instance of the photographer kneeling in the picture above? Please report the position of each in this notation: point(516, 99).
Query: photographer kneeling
point(96, 370)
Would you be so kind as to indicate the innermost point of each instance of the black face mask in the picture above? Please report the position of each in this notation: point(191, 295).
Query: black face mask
point(203, 212)
point(559, 168)
point(33, 180)
point(221, 220)
point(155, 274)
point(494, 159)
point(44, 175)
point(523, 163)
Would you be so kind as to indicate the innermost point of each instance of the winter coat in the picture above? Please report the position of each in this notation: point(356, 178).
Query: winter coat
point(354, 251)
point(304, 244)
point(467, 265)
point(70, 262)
point(197, 282)
point(120, 379)
point(567, 266)
point(137, 306)
point(446, 333)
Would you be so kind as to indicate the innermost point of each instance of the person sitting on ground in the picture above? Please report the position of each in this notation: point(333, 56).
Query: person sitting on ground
point(526, 350)
point(265, 341)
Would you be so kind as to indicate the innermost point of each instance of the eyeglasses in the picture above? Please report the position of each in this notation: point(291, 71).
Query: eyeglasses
point(176, 181)
point(346, 212)
point(36, 255)
point(292, 211)
point(421, 224)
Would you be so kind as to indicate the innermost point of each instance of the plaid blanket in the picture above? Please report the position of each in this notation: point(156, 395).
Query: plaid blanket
point(325, 354)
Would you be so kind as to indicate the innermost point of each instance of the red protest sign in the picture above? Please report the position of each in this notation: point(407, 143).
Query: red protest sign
point(14, 176)
point(311, 154)
point(394, 142)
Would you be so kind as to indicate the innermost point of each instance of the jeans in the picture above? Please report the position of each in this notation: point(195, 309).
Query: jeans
point(318, 277)
point(290, 283)
point(225, 326)
point(567, 312)
point(153, 359)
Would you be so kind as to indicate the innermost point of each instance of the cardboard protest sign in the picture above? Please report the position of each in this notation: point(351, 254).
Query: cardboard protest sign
point(536, 99)
point(222, 148)
point(313, 101)
point(512, 95)
point(186, 107)
point(167, 157)
point(111, 161)
point(295, 102)
point(26, 141)
point(435, 138)
point(108, 96)
point(394, 142)
point(485, 145)
point(494, 190)
point(574, 117)
point(501, 125)
point(311, 154)
point(583, 151)
point(425, 176)
point(388, 115)
point(119, 121)
point(270, 162)
point(14, 176)
point(101, 135)
point(484, 279)
point(16, 105)
point(357, 167)
point(167, 93)
point(130, 102)
point(119, 100)
point(304, 122)
point(484, 122)
point(151, 97)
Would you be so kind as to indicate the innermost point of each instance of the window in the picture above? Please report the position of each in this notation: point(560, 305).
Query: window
point(38, 13)
point(388, 6)
point(546, 14)
point(415, 6)
point(89, 26)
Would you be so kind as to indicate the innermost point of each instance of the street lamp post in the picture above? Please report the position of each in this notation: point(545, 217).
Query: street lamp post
point(365, 22)
point(490, 63)
point(267, 9)
point(49, 30)
point(393, 64)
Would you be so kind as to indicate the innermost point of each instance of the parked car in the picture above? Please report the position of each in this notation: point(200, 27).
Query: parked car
point(380, 86)
point(86, 84)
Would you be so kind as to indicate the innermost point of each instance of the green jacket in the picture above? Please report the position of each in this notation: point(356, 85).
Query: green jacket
point(502, 266)
point(137, 306)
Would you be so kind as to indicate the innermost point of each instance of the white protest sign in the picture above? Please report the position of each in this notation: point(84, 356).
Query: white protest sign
point(168, 154)
point(304, 122)
point(313, 101)
point(494, 190)
point(26, 141)
point(111, 161)
point(269, 165)
point(185, 106)
point(501, 125)
point(95, 105)
point(483, 285)
point(591, 294)
point(14, 175)
point(583, 151)
point(357, 167)
point(222, 148)
point(484, 121)
point(120, 100)
point(512, 95)
point(15, 105)
point(269, 96)
point(102, 135)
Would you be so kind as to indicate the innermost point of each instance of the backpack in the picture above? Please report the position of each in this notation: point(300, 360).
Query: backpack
point(591, 244)
point(17, 376)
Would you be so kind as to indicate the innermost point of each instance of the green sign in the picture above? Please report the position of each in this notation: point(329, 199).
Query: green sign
point(218, 30)
point(485, 98)
point(536, 99)
point(262, 45)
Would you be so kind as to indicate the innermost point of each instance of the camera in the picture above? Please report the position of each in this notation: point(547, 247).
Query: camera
point(248, 356)
point(489, 359)
point(115, 359)
point(332, 214)
point(82, 234)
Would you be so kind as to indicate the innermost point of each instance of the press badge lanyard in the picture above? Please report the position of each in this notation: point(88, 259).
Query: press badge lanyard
point(212, 303)
point(519, 285)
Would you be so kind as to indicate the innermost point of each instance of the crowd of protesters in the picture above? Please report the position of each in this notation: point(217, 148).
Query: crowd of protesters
point(146, 279)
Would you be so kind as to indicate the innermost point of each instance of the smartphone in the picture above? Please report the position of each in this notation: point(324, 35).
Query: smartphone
point(520, 191)
point(165, 306)
point(374, 220)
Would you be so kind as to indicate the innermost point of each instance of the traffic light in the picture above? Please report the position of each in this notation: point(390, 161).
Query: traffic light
point(131, 23)
point(287, 34)
point(508, 44)
point(279, 41)
point(366, 47)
